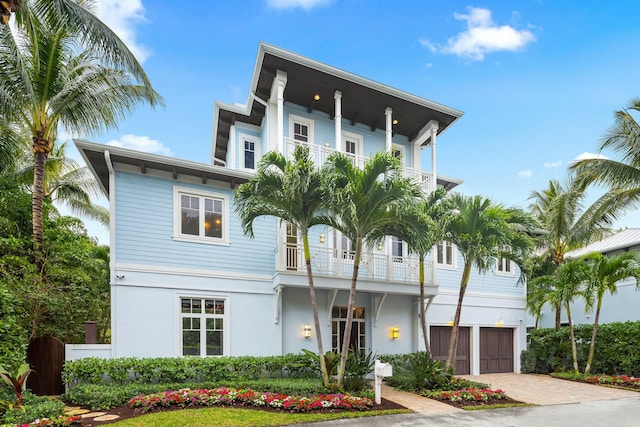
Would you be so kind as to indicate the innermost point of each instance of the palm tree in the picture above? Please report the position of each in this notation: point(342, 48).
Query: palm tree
point(565, 284)
point(362, 206)
point(568, 225)
point(604, 273)
point(7, 7)
point(65, 181)
point(622, 176)
point(422, 227)
point(483, 232)
point(53, 71)
point(292, 192)
point(537, 292)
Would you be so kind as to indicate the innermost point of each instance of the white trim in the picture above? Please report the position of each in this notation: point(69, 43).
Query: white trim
point(142, 268)
point(257, 151)
point(454, 256)
point(403, 152)
point(178, 236)
point(112, 244)
point(226, 328)
point(304, 121)
point(503, 273)
point(477, 295)
point(231, 154)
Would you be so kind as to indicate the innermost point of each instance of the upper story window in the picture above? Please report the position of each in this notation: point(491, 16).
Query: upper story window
point(301, 129)
point(249, 149)
point(203, 329)
point(397, 249)
point(445, 254)
point(505, 266)
point(347, 249)
point(200, 216)
point(399, 152)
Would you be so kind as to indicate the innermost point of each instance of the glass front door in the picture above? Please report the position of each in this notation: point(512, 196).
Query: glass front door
point(339, 323)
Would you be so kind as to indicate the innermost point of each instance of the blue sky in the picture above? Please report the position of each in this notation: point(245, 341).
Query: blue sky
point(538, 80)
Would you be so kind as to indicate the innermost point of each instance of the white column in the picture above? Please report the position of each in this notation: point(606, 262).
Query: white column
point(338, 119)
point(280, 133)
point(434, 178)
point(389, 112)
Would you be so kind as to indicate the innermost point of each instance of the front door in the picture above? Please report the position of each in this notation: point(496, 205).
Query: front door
point(338, 325)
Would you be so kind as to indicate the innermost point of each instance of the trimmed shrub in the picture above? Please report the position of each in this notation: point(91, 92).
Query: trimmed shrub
point(617, 349)
point(35, 407)
point(13, 347)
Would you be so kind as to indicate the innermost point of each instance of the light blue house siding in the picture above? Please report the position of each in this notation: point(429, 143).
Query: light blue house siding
point(144, 230)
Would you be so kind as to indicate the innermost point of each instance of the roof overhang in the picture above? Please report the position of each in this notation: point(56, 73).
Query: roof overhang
point(363, 101)
point(100, 158)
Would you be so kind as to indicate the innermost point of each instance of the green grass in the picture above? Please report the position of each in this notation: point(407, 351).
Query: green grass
point(233, 417)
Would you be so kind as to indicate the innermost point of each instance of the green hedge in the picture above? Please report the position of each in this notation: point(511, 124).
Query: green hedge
point(123, 371)
point(105, 396)
point(617, 349)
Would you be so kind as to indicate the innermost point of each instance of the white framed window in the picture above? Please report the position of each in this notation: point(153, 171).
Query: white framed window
point(399, 152)
point(249, 148)
point(504, 267)
point(301, 129)
point(343, 245)
point(200, 216)
point(398, 249)
point(204, 326)
point(445, 254)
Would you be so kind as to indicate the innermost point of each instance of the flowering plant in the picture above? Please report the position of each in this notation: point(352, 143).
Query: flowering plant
point(466, 394)
point(621, 380)
point(247, 397)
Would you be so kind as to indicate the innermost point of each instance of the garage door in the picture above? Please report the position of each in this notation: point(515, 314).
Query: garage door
point(440, 336)
point(496, 350)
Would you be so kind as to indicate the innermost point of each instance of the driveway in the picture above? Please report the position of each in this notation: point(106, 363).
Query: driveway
point(544, 390)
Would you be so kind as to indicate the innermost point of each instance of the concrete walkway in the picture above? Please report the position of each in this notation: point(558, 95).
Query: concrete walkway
point(419, 404)
point(544, 390)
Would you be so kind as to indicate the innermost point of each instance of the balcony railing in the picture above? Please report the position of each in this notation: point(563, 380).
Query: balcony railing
point(320, 153)
point(332, 262)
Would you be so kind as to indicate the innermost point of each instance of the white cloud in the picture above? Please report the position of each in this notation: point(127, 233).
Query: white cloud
point(122, 16)
point(587, 155)
point(553, 164)
point(140, 143)
point(525, 174)
point(292, 4)
point(482, 36)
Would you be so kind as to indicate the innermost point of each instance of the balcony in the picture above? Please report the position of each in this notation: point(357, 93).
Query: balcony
point(329, 262)
point(320, 153)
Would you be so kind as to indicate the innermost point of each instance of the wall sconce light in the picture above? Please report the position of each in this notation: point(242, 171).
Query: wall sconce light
point(379, 246)
point(322, 237)
point(395, 121)
point(307, 331)
point(451, 321)
point(500, 322)
point(395, 333)
point(316, 97)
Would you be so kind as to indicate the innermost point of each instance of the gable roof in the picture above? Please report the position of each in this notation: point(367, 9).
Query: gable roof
point(624, 239)
point(363, 100)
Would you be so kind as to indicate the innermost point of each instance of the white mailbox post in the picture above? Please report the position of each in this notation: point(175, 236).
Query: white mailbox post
point(381, 370)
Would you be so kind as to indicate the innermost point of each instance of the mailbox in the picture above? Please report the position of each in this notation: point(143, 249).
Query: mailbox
point(383, 369)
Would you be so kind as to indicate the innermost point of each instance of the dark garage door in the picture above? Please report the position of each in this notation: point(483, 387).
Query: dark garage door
point(496, 350)
point(440, 336)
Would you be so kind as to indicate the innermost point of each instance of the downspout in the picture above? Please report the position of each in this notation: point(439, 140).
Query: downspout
point(112, 246)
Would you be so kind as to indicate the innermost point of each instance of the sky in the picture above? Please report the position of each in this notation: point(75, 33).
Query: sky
point(538, 80)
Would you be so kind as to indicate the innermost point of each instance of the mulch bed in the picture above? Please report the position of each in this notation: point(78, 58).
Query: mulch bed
point(466, 403)
point(125, 412)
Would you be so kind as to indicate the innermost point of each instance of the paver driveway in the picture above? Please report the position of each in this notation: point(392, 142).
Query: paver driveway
point(544, 390)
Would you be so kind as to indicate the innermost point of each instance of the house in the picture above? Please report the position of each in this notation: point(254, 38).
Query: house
point(187, 282)
point(619, 307)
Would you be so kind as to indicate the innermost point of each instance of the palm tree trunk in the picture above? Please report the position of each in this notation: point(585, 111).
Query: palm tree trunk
point(423, 314)
point(453, 342)
point(41, 148)
point(574, 351)
point(592, 347)
point(352, 302)
point(558, 313)
point(314, 308)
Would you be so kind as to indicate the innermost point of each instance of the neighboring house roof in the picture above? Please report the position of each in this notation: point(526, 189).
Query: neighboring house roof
point(624, 239)
point(363, 101)
point(100, 158)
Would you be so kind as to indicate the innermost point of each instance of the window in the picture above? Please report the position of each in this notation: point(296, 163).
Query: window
point(347, 250)
point(397, 249)
point(249, 151)
point(200, 216)
point(301, 129)
point(399, 152)
point(445, 254)
point(202, 323)
point(504, 266)
point(300, 132)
